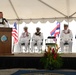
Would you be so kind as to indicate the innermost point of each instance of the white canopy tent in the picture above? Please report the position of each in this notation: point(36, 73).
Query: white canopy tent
point(38, 10)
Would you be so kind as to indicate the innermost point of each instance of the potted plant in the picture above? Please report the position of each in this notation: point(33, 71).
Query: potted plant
point(51, 58)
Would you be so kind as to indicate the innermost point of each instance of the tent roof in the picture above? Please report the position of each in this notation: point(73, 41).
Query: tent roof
point(34, 10)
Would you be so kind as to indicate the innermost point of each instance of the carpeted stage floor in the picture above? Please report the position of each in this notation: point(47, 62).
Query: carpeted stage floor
point(32, 60)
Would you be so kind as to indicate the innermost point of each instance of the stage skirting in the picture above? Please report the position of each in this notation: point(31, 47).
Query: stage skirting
point(26, 60)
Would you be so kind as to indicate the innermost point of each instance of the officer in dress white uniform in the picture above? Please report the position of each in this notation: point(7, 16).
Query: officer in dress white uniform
point(3, 21)
point(25, 38)
point(66, 36)
point(37, 38)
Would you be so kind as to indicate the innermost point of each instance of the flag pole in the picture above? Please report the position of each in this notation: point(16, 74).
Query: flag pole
point(13, 47)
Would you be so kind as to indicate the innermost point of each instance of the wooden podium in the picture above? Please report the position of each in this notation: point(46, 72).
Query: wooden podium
point(5, 41)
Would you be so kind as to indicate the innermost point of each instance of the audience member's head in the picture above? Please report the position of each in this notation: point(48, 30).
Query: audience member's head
point(37, 29)
point(65, 26)
point(25, 29)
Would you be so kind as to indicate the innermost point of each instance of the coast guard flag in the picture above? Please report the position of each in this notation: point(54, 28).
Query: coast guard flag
point(56, 31)
point(15, 33)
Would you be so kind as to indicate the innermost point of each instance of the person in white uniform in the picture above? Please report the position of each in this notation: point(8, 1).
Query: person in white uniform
point(37, 39)
point(66, 36)
point(3, 21)
point(25, 38)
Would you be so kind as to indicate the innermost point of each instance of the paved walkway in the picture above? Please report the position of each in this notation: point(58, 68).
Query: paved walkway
point(11, 71)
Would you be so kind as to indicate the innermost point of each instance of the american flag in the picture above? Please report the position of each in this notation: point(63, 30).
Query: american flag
point(15, 33)
point(56, 31)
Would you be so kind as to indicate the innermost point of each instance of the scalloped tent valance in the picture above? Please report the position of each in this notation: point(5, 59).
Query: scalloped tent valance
point(41, 20)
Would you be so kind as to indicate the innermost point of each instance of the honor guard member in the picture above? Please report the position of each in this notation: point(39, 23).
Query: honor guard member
point(25, 38)
point(3, 21)
point(37, 39)
point(66, 36)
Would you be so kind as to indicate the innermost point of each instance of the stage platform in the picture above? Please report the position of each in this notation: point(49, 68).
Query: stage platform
point(32, 60)
point(41, 54)
point(37, 55)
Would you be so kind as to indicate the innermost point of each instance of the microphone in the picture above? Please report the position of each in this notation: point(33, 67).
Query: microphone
point(75, 36)
point(6, 22)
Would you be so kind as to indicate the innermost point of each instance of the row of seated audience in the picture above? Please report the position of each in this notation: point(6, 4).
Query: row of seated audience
point(36, 39)
point(66, 38)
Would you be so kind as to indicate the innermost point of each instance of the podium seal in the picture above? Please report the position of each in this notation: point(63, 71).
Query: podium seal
point(3, 38)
